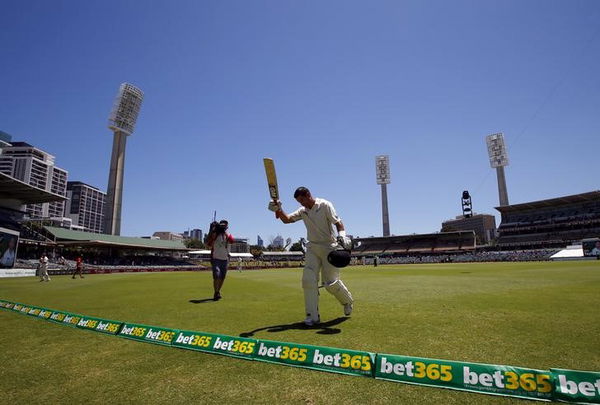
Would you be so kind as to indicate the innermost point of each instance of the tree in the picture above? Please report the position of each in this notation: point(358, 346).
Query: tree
point(298, 246)
point(194, 244)
point(256, 250)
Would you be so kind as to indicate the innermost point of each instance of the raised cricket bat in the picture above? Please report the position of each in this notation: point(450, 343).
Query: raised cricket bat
point(271, 180)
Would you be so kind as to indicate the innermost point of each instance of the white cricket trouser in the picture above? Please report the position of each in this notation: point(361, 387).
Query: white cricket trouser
point(316, 261)
point(44, 273)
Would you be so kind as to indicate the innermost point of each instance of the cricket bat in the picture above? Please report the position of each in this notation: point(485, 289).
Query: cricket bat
point(271, 180)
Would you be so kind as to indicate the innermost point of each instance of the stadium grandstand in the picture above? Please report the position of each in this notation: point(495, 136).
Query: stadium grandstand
point(14, 194)
point(245, 261)
point(417, 244)
point(555, 222)
point(101, 252)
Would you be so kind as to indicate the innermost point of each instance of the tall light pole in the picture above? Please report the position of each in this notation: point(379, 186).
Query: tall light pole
point(121, 121)
point(382, 173)
point(498, 159)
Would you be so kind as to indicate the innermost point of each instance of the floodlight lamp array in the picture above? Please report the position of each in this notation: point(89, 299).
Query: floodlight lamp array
point(382, 169)
point(497, 150)
point(126, 109)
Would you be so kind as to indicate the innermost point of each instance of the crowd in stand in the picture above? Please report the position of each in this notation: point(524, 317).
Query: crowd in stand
point(492, 256)
point(60, 265)
point(550, 226)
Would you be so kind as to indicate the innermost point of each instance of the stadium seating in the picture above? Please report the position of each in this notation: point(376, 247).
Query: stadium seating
point(550, 223)
point(416, 244)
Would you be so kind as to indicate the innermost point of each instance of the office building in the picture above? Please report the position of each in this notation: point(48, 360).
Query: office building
point(195, 234)
point(35, 167)
point(278, 242)
point(166, 235)
point(85, 206)
point(484, 226)
point(240, 245)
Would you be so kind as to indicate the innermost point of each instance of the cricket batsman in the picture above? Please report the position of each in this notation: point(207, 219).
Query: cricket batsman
point(319, 217)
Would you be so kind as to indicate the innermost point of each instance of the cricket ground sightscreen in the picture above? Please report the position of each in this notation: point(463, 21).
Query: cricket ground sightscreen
point(122, 122)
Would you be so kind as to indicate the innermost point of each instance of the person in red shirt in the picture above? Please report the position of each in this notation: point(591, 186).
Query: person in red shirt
point(78, 267)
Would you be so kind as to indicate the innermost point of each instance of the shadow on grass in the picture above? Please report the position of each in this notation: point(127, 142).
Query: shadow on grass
point(324, 328)
point(202, 301)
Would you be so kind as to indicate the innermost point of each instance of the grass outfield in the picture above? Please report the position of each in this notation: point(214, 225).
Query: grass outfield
point(537, 315)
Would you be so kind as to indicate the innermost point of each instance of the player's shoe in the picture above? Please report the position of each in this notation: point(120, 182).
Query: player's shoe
point(217, 297)
point(348, 309)
point(311, 322)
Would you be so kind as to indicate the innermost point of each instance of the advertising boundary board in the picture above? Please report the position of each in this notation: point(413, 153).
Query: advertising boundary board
point(147, 333)
point(573, 386)
point(482, 378)
point(321, 358)
point(234, 346)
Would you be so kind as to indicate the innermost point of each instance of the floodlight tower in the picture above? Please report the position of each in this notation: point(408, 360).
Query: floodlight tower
point(121, 121)
point(382, 172)
point(498, 159)
point(467, 206)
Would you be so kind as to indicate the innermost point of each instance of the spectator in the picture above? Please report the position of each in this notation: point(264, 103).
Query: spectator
point(10, 254)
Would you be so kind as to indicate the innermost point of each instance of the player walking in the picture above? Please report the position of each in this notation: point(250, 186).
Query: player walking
point(318, 215)
point(44, 268)
point(78, 267)
point(219, 241)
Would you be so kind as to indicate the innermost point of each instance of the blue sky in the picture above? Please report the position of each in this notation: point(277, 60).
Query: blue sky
point(320, 86)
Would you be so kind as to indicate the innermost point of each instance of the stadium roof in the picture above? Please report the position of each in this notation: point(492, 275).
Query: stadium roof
point(282, 254)
point(553, 202)
point(79, 238)
point(13, 189)
point(242, 255)
point(416, 236)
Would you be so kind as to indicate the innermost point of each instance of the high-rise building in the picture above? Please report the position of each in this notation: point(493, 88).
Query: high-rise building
point(278, 242)
point(259, 241)
point(35, 167)
point(195, 234)
point(166, 235)
point(240, 245)
point(85, 206)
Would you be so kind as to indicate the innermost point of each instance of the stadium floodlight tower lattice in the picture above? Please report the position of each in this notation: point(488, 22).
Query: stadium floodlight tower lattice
point(382, 172)
point(121, 121)
point(498, 159)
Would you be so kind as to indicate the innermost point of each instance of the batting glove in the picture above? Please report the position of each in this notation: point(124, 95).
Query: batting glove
point(344, 241)
point(274, 206)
